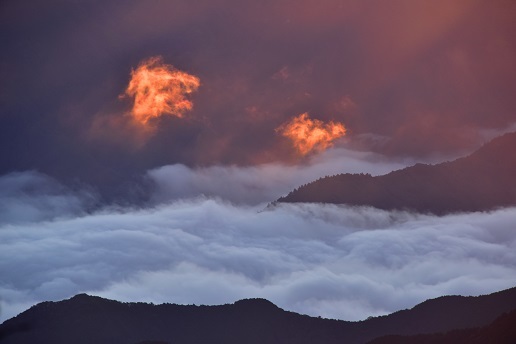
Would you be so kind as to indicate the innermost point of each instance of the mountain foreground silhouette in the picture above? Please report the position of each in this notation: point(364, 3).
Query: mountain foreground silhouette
point(501, 331)
point(91, 319)
point(482, 181)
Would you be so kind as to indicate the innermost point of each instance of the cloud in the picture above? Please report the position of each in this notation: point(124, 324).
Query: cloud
point(333, 261)
point(159, 89)
point(257, 184)
point(32, 196)
point(428, 77)
point(311, 135)
point(156, 89)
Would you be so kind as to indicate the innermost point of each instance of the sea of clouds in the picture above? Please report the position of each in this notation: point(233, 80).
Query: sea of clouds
point(207, 237)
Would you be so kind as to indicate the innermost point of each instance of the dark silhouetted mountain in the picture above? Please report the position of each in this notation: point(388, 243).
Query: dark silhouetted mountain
point(501, 331)
point(484, 180)
point(90, 319)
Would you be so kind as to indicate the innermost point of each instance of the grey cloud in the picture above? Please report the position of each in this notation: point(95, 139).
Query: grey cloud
point(32, 196)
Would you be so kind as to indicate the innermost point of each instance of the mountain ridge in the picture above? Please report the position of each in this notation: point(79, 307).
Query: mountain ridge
point(500, 331)
point(482, 181)
point(92, 319)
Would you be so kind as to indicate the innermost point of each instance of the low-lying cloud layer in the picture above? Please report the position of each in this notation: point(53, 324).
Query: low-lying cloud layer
point(257, 184)
point(32, 196)
point(333, 261)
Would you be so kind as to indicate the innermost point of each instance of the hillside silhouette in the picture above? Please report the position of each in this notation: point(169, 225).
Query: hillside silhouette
point(482, 181)
point(501, 331)
point(91, 319)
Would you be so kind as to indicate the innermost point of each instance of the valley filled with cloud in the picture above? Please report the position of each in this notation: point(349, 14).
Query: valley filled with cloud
point(333, 261)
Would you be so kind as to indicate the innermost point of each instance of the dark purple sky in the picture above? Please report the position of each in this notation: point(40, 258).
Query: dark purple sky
point(407, 78)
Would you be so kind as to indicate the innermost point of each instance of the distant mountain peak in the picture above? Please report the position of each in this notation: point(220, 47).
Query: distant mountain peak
point(255, 302)
point(83, 297)
point(482, 181)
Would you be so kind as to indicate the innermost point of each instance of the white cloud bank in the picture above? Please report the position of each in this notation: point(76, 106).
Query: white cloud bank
point(333, 261)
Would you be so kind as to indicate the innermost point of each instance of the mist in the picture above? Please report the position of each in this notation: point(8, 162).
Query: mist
point(323, 260)
point(252, 185)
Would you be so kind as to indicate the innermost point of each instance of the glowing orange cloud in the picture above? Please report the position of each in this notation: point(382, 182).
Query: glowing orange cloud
point(311, 134)
point(159, 89)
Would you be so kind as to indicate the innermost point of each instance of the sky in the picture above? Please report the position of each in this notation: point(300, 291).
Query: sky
point(129, 127)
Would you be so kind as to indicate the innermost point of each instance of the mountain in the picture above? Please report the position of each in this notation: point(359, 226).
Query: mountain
point(484, 180)
point(501, 331)
point(91, 319)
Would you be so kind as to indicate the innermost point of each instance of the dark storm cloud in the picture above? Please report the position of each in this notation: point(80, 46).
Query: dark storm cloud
point(333, 261)
point(428, 77)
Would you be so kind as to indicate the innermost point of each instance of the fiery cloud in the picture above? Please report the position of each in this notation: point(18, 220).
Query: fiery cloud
point(311, 134)
point(159, 89)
